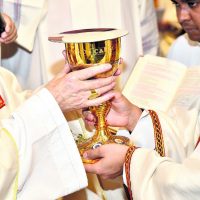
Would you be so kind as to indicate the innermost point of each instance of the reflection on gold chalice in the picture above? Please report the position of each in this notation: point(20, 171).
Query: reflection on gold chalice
point(85, 48)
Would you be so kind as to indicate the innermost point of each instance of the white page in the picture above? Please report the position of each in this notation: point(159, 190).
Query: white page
point(154, 82)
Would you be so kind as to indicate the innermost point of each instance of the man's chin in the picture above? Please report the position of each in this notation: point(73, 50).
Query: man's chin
point(194, 37)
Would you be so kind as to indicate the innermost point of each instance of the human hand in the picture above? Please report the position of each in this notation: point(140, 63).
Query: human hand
point(10, 33)
point(111, 158)
point(122, 113)
point(72, 90)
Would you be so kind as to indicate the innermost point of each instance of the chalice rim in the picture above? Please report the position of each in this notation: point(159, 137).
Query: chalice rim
point(85, 36)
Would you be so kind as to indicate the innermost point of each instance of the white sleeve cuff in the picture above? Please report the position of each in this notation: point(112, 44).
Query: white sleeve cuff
point(143, 133)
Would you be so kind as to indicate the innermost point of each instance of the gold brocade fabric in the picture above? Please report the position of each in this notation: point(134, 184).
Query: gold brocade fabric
point(158, 136)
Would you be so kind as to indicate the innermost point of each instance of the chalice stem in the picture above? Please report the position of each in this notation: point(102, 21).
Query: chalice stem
point(102, 134)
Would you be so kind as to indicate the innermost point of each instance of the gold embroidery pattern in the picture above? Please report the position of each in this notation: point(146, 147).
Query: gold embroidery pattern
point(129, 154)
point(198, 141)
point(158, 136)
point(159, 143)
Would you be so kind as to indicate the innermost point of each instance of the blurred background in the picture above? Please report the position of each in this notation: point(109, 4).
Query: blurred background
point(169, 28)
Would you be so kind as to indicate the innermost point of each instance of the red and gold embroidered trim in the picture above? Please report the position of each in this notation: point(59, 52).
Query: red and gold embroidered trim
point(2, 102)
point(198, 141)
point(129, 154)
point(158, 136)
point(159, 143)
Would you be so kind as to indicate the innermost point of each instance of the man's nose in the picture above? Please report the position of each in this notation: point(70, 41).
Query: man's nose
point(184, 14)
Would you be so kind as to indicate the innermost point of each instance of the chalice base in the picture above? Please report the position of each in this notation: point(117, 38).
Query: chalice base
point(108, 137)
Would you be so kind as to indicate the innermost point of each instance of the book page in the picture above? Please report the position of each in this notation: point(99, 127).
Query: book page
point(154, 82)
point(189, 90)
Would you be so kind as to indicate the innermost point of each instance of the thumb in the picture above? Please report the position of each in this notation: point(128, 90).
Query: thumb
point(93, 154)
point(66, 69)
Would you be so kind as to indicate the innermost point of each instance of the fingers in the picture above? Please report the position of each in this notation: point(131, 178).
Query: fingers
point(93, 154)
point(93, 71)
point(89, 118)
point(76, 93)
point(105, 97)
point(92, 168)
point(11, 37)
point(117, 73)
point(105, 89)
point(10, 33)
point(64, 54)
point(111, 158)
point(67, 65)
point(66, 69)
point(101, 86)
point(100, 82)
point(121, 60)
point(99, 169)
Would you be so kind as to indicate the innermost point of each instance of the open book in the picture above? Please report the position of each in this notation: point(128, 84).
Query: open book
point(158, 83)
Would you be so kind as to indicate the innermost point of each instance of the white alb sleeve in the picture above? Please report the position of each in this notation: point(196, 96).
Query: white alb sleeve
point(50, 164)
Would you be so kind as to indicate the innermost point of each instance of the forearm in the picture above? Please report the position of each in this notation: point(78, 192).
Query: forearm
point(155, 177)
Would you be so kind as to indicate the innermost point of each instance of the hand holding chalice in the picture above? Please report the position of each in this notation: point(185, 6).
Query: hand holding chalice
point(86, 48)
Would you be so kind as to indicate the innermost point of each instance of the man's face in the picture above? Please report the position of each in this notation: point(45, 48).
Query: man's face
point(188, 13)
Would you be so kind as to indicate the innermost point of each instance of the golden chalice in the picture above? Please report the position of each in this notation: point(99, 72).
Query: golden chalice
point(85, 48)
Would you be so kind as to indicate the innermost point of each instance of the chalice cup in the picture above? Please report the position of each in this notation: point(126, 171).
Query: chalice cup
point(85, 48)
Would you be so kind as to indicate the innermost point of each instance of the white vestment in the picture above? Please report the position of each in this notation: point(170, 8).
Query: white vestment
point(49, 162)
point(176, 176)
point(8, 166)
point(38, 60)
point(185, 51)
point(38, 63)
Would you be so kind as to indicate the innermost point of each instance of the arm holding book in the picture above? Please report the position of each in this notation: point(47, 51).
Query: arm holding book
point(151, 175)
